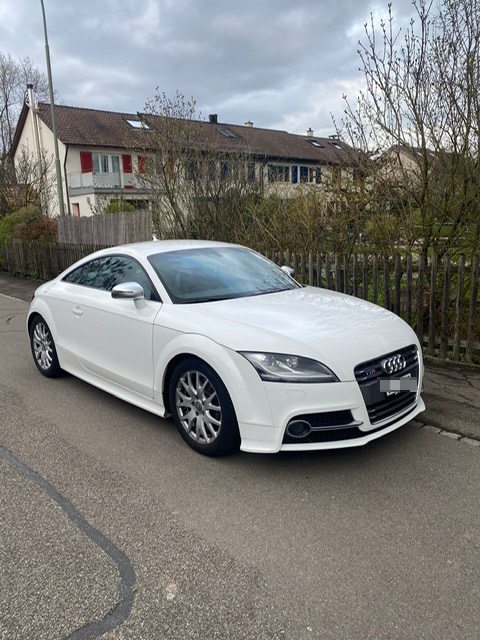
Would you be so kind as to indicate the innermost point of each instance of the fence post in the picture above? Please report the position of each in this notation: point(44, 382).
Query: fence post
point(420, 294)
point(386, 282)
point(445, 306)
point(365, 277)
point(408, 297)
point(431, 319)
point(355, 275)
point(375, 279)
point(458, 308)
point(398, 284)
point(337, 272)
point(310, 268)
point(473, 305)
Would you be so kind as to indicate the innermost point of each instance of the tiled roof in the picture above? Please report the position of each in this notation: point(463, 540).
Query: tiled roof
point(92, 127)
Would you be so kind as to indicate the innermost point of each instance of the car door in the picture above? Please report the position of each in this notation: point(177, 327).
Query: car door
point(114, 336)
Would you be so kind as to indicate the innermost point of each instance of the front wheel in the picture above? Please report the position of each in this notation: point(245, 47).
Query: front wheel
point(202, 409)
point(43, 349)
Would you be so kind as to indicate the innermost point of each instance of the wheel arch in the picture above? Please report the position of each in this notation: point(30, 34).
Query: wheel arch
point(168, 374)
point(246, 392)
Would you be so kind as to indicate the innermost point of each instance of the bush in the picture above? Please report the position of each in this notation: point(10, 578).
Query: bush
point(119, 206)
point(28, 224)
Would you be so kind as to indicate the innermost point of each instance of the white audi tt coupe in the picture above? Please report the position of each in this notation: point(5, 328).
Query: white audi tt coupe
point(229, 344)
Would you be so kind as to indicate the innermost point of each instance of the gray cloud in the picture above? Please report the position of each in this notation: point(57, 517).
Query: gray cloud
point(275, 62)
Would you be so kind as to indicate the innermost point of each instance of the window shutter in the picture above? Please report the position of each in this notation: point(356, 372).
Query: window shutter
point(86, 162)
point(127, 163)
point(141, 164)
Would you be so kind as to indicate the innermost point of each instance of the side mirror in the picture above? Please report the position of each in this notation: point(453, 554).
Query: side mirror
point(128, 290)
point(288, 270)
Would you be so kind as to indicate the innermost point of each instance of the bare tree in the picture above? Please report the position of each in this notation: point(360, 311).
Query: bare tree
point(196, 188)
point(418, 117)
point(28, 182)
point(14, 75)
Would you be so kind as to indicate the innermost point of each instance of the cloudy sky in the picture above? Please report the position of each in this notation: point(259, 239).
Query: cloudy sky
point(280, 63)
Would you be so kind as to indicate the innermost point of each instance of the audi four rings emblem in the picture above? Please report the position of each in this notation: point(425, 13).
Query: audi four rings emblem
point(394, 364)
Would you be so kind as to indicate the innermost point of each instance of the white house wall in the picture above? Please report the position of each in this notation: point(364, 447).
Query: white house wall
point(27, 143)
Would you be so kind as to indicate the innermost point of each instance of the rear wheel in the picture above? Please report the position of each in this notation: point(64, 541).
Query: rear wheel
point(43, 349)
point(202, 409)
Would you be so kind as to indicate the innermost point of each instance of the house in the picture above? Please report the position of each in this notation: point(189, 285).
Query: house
point(102, 153)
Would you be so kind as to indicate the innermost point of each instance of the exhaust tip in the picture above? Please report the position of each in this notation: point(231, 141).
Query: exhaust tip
point(299, 428)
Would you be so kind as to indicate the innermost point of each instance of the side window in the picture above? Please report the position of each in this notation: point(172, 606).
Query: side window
point(105, 273)
point(85, 274)
point(114, 270)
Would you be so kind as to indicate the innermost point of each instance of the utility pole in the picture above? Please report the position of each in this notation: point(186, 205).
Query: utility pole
point(54, 122)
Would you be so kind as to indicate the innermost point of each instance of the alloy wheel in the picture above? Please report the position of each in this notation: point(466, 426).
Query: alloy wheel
point(42, 346)
point(198, 407)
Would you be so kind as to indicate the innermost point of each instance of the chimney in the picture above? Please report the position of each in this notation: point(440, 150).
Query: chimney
point(32, 108)
point(213, 118)
point(249, 124)
point(310, 132)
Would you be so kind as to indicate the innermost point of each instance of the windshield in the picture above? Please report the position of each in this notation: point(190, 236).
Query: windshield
point(217, 273)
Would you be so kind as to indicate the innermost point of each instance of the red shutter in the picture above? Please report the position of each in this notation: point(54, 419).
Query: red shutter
point(142, 161)
point(127, 163)
point(86, 161)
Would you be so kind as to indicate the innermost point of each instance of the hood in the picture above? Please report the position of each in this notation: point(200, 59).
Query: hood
point(339, 330)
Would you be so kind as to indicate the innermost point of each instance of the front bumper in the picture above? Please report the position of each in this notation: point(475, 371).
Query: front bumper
point(288, 400)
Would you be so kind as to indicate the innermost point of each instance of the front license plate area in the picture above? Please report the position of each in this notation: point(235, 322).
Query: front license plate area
point(394, 386)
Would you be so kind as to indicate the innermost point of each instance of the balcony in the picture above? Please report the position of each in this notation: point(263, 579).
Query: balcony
point(78, 180)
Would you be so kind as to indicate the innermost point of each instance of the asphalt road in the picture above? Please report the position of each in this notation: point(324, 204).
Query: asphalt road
point(110, 524)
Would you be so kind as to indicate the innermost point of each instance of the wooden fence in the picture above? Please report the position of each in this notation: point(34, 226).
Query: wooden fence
point(106, 229)
point(439, 298)
point(41, 261)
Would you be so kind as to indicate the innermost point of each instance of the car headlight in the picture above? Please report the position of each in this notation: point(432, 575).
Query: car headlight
point(280, 367)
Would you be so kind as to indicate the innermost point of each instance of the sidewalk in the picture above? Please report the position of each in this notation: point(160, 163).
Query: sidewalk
point(451, 393)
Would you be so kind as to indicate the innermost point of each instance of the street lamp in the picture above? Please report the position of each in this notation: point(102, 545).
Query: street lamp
point(54, 122)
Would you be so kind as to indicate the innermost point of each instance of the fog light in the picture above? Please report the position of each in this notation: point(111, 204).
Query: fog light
point(299, 428)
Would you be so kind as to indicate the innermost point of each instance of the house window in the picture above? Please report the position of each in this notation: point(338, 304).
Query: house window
point(224, 170)
point(115, 164)
point(316, 143)
point(303, 174)
point(76, 209)
point(138, 124)
point(294, 174)
point(100, 163)
point(278, 173)
point(251, 175)
point(227, 133)
point(315, 175)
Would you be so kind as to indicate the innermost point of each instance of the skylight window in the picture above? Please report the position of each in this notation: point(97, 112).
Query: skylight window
point(316, 143)
point(227, 133)
point(336, 145)
point(138, 124)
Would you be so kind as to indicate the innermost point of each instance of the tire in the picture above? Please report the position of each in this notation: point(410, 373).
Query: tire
point(202, 409)
point(43, 349)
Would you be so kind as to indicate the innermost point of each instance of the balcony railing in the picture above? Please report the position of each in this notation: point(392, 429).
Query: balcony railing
point(78, 180)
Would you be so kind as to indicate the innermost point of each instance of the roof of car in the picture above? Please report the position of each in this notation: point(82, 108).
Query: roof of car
point(161, 246)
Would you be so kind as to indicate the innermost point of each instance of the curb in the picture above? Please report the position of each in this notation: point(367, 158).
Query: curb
point(473, 442)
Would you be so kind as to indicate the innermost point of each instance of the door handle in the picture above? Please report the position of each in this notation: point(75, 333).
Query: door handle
point(77, 311)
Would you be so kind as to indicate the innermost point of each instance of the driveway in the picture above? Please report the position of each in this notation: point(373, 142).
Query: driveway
point(111, 525)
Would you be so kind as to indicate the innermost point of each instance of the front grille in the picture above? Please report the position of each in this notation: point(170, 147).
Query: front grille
point(381, 406)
